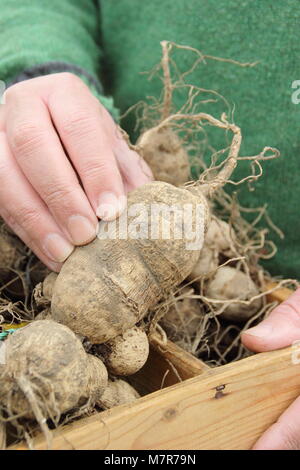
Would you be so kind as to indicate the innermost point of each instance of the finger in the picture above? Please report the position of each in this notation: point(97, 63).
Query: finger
point(39, 153)
point(285, 433)
point(134, 169)
point(279, 330)
point(78, 118)
point(20, 232)
point(27, 215)
point(2, 116)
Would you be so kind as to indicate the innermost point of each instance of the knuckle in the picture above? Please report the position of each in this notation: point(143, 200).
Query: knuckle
point(26, 135)
point(58, 196)
point(14, 90)
point(94, 169)
point(28, 218)
point(9, 219)
point(80, 124)
point(69, 78)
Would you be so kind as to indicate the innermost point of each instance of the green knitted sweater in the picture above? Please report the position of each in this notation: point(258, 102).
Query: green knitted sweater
point(115, 40)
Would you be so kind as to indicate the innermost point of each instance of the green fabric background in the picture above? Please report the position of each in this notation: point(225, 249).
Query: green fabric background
point(246, 30)
point(118, 39)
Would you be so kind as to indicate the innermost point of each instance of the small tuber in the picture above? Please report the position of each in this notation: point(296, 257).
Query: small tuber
point(127, 353)
point(118, 392)
point(230, 283)
point(162, 149)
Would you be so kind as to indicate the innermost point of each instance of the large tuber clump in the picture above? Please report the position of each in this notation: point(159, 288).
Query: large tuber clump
point(47, 372)
point(106, 287)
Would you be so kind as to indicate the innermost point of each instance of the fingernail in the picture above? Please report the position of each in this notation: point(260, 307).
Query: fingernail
point(57, 248)
point(110, 206)
point(81, 230)
point(260, 331)
point(55, 267)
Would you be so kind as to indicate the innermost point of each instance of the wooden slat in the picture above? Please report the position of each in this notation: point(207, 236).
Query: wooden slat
point(185, 363)
point(171, 365)
point(225, 408)
point(279, 295)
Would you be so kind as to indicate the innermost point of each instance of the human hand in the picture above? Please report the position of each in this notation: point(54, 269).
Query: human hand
point(62, 160)
point(279, 330)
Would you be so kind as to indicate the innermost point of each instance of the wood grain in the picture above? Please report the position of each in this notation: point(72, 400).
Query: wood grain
point(224, 408)
point(279, 295)
point(171, 365)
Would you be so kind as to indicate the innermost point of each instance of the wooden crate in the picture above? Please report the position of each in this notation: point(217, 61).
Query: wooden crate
point(227, 407)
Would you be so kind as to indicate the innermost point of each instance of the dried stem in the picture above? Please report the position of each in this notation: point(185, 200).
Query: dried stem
point(167, 100)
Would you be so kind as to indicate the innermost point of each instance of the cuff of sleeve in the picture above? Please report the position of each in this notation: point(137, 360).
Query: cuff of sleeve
point(58, 67)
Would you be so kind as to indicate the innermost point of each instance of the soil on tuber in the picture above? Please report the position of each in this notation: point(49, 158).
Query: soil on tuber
point(118, 392)
point(231, 284)
point(127, 353)
point(162, 149)
point(48, 372)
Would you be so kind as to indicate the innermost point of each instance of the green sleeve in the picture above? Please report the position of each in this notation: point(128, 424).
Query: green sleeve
point(38, 37)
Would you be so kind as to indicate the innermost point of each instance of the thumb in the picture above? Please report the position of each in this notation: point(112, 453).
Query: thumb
point(285, 433)
point(279, 330)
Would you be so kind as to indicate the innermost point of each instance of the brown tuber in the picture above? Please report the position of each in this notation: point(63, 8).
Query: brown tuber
point(206, 265)
point(127, 353)
point(220, 236)
point(230, 283)
point(43, 290)
point(183, 316)
point(8, 251)
point(47, 372)
point(162, 149)
point(106, 287)
point(44, 315)
point(118, 392)
point(48, 286)
point(218, 241)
